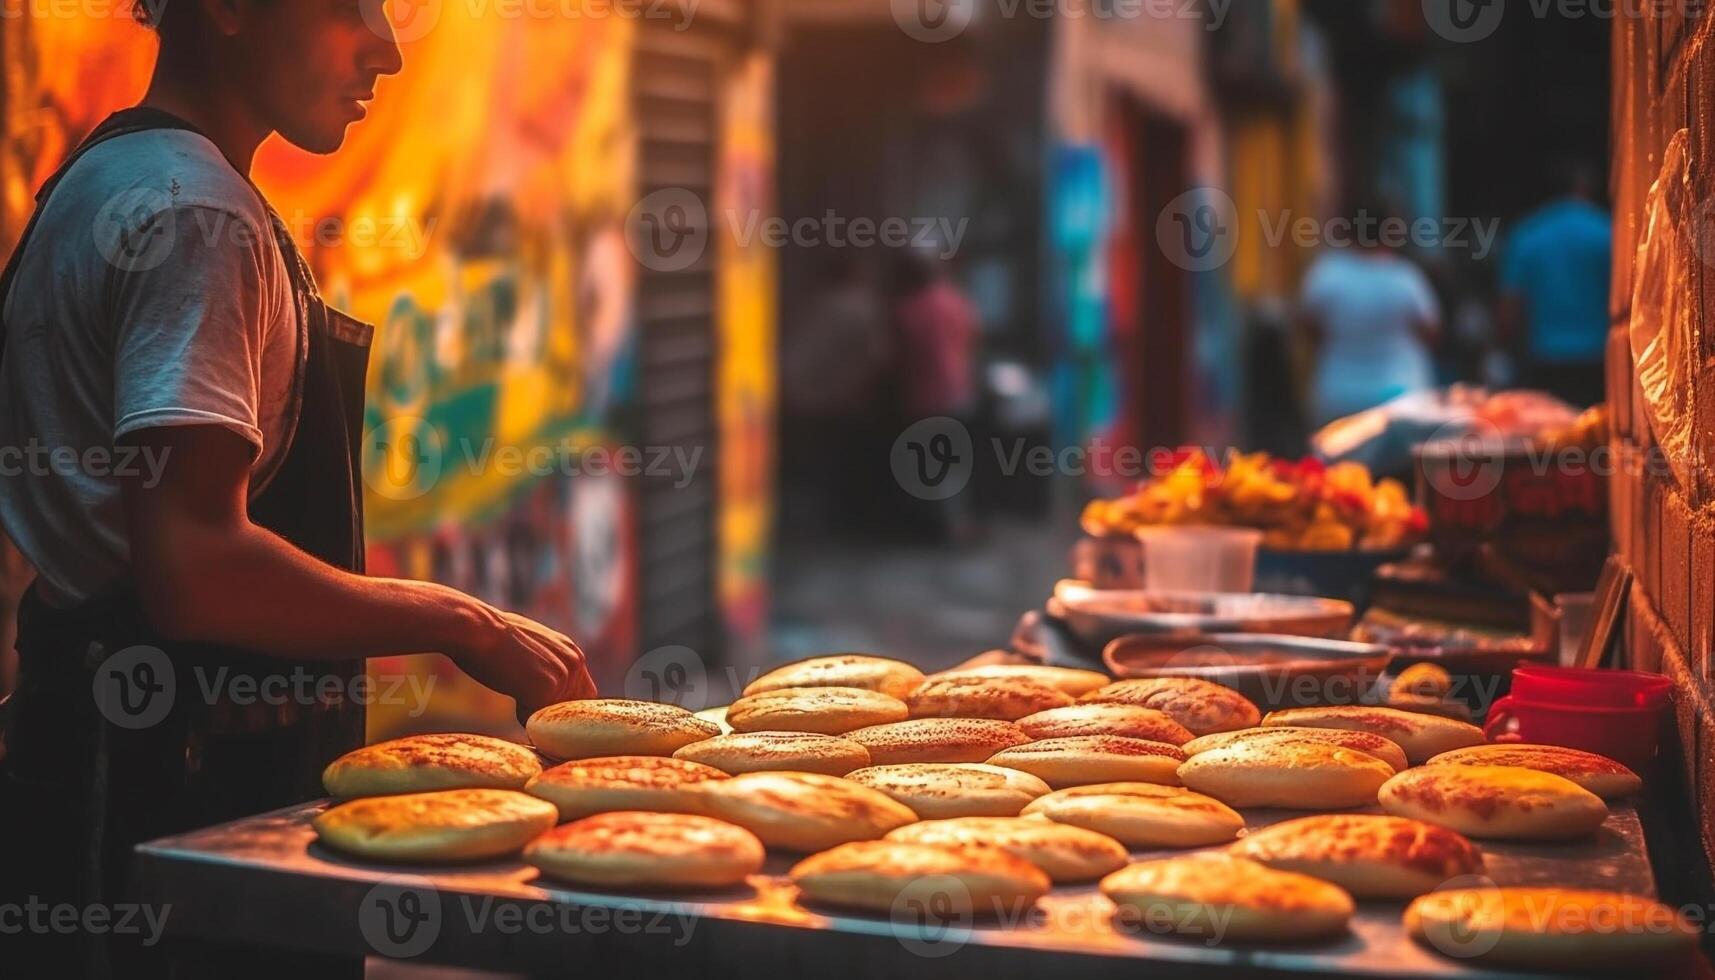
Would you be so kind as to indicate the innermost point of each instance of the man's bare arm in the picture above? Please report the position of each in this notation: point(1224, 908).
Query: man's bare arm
point(206, 574)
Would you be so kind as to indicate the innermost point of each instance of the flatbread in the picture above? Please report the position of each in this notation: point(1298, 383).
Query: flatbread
point(937, 740)
point(1555, 929)
point(1369, 856)
point(1499, 802)
point(1221, 899)
point(1201, 706)
point(603, 727)
point(1003, 698)
point(892, 677)
point(1293, 775)
point(905, 880)
point(1381, 748)
point(1066, 853)
point(425, 763)
point(801, 811)
point(1074, 682)
point(739, 752)
point(823, 710)
point(428, 828)
point(1062, 762)
point(1124, 720)
point(1142, 815)
point(1597, 773)
point(1420, 735)
point(631, 849)
point(940, 791)
point(623, 782)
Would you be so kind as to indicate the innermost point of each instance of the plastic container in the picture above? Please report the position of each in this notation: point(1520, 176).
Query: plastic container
point(1199, 559)
point(1587, 688)
point(1616, 713)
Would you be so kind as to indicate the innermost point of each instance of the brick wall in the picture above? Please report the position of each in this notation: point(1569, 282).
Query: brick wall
point(1664, 81)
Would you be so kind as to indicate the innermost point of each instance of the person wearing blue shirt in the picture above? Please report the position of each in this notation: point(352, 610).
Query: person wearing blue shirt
point(1554, 292)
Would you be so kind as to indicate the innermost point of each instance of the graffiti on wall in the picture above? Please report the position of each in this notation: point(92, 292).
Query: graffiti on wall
point(476, 217)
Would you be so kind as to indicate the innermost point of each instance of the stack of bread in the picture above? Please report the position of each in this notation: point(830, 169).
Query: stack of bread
point(988, 786)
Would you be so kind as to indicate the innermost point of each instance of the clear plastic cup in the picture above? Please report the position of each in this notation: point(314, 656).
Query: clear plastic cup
point(1199, 559)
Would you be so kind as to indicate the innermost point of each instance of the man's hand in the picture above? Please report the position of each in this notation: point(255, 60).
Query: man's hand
point(206, 574)
point(529, 662)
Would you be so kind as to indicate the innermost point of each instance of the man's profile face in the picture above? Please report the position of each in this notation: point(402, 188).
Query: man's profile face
point(313, 64)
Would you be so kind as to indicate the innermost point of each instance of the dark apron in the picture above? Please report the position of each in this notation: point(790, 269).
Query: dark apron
point(79, 790)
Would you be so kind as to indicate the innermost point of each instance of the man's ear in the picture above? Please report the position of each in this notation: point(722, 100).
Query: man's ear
point(224, 15)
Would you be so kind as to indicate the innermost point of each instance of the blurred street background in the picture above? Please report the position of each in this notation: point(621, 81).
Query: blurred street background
point(836, 312)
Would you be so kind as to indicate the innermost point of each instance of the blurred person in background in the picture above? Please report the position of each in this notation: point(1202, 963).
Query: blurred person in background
point(1553, 312)
point(937, 332)
point(1371, 317)
point(835, 374)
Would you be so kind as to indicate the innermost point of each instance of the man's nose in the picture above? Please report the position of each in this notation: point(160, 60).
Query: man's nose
point(383, 57)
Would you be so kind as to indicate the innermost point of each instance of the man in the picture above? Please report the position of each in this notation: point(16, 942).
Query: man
point(159, 324)
point(1371, 316)
point(1554, 290)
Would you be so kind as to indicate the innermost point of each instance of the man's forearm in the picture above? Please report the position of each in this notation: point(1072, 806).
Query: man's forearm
point(246, 587)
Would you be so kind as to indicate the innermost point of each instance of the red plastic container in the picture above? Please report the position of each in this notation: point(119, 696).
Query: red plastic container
point(1582, 687)
point(1615, 713)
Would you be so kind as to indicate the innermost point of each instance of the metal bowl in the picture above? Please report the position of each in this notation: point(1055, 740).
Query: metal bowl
point(1097, 616)
point(1274, 671)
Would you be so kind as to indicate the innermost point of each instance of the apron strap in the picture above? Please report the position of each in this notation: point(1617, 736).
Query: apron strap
point(124, 122)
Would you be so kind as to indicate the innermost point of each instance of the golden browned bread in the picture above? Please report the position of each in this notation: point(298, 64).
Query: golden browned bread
point(802, 811)
point(424, 763)
point(739, 752)
point(942, 790)
point(1124, 720)
point(1219, 899)
point(825, 710)
point(1423, 679)
point(1381, 748)
point(903, 879)
point(937, 740)
point(1503, 802)
point(1078, 761)
point(632, 849)
point(1294, 775)
point(1199, 705)
point(1142, 815)
point(1003, 698)
point(449, 825)
point(1076, 683)
point(1596, 773)
point(1420, 735)
point(621, 782)
point(1065, 852)
point(891, 677)
point(1555, 929)
point(589, 729)
point(1369, 856)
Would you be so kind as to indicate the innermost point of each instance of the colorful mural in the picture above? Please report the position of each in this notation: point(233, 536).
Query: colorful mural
point(476, 217)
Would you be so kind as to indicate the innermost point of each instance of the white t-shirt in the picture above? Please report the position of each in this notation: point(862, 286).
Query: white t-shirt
point(152, 293)
point(1370, 308)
